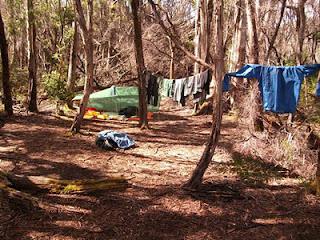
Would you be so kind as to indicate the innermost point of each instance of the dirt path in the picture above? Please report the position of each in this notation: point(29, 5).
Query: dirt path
point(243, 198)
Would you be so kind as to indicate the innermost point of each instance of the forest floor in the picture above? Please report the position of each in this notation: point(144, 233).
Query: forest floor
point(242, 197)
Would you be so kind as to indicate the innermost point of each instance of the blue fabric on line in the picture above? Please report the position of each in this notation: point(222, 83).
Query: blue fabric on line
point(112, 140)
point(280, 86)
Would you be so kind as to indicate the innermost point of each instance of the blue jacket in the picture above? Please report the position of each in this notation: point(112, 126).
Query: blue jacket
point(280, 86)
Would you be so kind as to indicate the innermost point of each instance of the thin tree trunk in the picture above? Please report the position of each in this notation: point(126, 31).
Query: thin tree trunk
point(239, 50)
point(171, 58)
point(197, 176)
point(23, 58)
point(253, 33)
point(243, 38)
point(235, 37)
point(87, 31)
point(197, 33)
point(73, 58)
point(274, 36)
point(15, 51)
point(254, 58)
point(301, 25)
point(202, 32)
point(32, 61)
point(143, 122)
point(108, 56)
point(5, 70)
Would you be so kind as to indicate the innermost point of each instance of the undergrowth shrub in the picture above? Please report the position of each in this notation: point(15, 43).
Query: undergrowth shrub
point(56, 87)
point(280, 143)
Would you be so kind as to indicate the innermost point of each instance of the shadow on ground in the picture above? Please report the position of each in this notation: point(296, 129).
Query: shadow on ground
point(244, 208)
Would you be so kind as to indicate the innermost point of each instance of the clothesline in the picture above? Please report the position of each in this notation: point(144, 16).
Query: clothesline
point(181, 88)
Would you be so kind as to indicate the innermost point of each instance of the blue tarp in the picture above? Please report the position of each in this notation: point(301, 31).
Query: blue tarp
point(280, 86)
point(112, 140)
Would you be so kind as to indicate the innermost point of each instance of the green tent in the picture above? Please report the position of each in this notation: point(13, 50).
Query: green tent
point(115, 98)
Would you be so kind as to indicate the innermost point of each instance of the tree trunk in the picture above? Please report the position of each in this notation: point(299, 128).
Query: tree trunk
point(7, 98)
point(143, 122)
point(171, 58)
point(87, 31)
point(23, 58)
point(274, 36)
point(32, 62)
point(253, 33)
point(73, 58)
point(238, 54)
point(243, 38)
point(301, 25)
point(197, 176)
point(254, 57)
point(197, 34)
point(202, 32)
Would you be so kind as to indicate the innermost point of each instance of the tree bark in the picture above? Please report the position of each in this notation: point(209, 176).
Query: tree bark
point(301, 25)
point(73, 58)
point(254, 57)
point(238, 51)
point(87, 31)
point(202, 32)
point(197, 176)
point(196, 40)
point(171, 58)
point(7, 98)
point(243, 38)
point(274, 36)
point(23, 58)
point(32, 61)
point(141, 70)
point(253, 33)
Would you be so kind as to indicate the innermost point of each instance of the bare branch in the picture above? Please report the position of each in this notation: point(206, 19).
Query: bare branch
point(171, 32)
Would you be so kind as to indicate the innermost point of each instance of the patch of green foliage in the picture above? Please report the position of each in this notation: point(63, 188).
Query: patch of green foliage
point(308, 102)
point(18, 81)
point(255, 171)
point(56, 86)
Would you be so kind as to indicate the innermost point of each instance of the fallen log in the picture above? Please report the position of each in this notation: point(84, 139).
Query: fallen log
point(19, 189)
point(41, 183)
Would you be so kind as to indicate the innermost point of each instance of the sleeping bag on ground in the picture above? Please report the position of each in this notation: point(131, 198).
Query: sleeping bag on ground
point(113, 140)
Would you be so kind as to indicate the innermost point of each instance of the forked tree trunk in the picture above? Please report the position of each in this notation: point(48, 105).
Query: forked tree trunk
point(73, 58)
point(7, 98)
point(143, 121)
point(274, 36)
point(197, 176)
point(87, 32)
point(32, 61)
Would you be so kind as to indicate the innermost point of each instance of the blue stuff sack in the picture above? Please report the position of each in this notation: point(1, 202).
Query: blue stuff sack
point(113, 140)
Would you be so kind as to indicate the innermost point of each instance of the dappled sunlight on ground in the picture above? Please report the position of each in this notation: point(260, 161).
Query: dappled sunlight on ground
point(242, 197)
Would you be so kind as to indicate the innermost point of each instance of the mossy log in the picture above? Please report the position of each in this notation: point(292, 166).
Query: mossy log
point(41, 183)
point(19, 188)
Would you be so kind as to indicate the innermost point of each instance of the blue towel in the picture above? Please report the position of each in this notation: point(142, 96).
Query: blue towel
point(280, 86)
point(112, 140)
